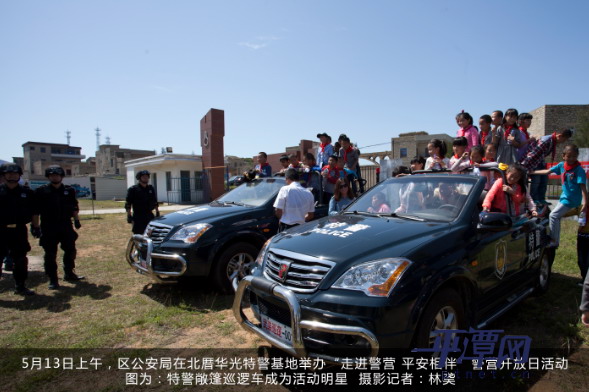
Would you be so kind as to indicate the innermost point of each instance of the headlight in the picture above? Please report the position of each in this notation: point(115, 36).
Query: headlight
point(375, 278)
point(191, 234)
point(262, 254)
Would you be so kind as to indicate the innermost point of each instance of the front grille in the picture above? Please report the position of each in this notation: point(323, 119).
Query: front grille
point(165, 265)
point(157, 232)
point(303, 273)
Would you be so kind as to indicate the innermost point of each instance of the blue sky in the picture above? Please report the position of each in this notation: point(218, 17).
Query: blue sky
point(146, 72)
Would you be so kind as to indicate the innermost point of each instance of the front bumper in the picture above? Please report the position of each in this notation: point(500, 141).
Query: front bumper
point(141, 258)
point(297, 324)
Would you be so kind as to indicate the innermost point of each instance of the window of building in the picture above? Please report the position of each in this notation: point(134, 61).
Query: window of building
point(43, 149)
point(403, 153)
point(55, 150)
point(68, 172)
point(168, 181)
point(426, 152)
point(31, 148)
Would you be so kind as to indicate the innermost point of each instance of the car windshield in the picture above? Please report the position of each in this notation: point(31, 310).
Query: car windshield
point(417, 197)
point(254, 193)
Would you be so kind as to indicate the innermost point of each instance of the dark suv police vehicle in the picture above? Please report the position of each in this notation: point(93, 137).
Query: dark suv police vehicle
point(408, 258)
point(218, 240)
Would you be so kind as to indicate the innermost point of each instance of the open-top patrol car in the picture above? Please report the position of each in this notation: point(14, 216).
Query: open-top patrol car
point(218, 240)
point(369, 280)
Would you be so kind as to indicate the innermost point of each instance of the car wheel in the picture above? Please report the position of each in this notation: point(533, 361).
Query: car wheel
point(236, 261)
point(545, 271)
point(444, 311)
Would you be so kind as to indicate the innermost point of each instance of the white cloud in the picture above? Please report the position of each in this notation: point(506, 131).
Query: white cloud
point(253, 45)
point(260, 42)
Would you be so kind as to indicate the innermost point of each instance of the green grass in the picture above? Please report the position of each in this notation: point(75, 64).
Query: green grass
point(118, 308)
point(86, 204)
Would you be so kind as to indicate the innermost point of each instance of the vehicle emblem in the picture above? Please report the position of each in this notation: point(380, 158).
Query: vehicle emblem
point(283, 272)
point(500, 259)
point(149, 231)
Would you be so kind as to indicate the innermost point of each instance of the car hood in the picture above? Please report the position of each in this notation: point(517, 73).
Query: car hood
point(202, 213)
point(351, 238)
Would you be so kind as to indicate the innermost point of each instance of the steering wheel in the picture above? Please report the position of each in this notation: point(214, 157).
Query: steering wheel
point(450, 207)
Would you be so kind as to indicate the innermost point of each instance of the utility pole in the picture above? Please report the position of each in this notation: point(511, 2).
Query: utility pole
point(97, 138)
point(68, 136)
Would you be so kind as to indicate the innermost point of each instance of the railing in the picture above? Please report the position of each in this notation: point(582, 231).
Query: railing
point(186, 190)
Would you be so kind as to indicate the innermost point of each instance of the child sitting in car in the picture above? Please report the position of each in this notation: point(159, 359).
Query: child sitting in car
point(497, 201)
point(379, 204)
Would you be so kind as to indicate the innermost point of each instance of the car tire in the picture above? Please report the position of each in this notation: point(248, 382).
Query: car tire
point(237, 260)
point(444, 311)
point(545, 271)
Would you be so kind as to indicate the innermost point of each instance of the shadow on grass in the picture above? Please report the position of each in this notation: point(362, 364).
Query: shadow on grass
point(194, 294)
point(58, 301)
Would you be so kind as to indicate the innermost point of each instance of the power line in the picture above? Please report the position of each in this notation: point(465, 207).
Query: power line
point(374, 145)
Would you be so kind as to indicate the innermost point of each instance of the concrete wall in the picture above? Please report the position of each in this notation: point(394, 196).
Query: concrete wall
point(550, 118)
point(416, 145)
point(160, 169)
point(110, 188)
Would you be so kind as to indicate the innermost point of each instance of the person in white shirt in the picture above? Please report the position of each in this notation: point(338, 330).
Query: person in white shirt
point(294, 205)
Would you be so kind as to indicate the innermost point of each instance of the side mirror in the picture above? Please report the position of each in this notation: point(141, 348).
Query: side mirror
point(494, 221)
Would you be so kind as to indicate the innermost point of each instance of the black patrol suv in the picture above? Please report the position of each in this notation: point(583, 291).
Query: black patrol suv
point(411, 256)
point(218, 240)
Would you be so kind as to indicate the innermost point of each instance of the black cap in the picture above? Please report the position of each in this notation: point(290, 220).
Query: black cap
point(284, 157)
point(12, 168)
point(54, 169)
point(322, 134)
point(142, 173)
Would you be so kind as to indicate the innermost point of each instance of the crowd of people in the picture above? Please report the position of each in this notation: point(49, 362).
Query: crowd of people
point(500, 141)
point(326, 173)
point(52, 211)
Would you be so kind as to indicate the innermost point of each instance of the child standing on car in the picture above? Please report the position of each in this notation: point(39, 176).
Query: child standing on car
point(507, 138)
point(485, 125)
point(496, 199)
point(574, 190)
point(467, 130)
point(437, 151)
point(330, 174)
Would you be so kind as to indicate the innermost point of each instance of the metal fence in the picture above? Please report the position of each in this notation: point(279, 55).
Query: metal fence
point(369, 174)
point(186, 190)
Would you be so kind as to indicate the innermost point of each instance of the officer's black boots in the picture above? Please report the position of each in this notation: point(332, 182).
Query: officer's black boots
point(53, 284)
point(22, 290)
point(72, 277)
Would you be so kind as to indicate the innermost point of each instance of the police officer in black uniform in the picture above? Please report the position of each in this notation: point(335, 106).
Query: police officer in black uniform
point(143, 199)
point(8, 259)
point(57, 205)
point(17, 208)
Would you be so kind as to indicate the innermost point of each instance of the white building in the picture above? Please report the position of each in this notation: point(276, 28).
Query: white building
point(177, 178)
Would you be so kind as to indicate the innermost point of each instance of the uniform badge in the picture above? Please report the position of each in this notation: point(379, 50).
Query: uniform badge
point(500, 259)
point(66, 193)
point(23, 195)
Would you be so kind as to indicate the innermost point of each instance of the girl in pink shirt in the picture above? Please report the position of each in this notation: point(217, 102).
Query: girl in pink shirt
point(467, 130)
point(379, 204)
